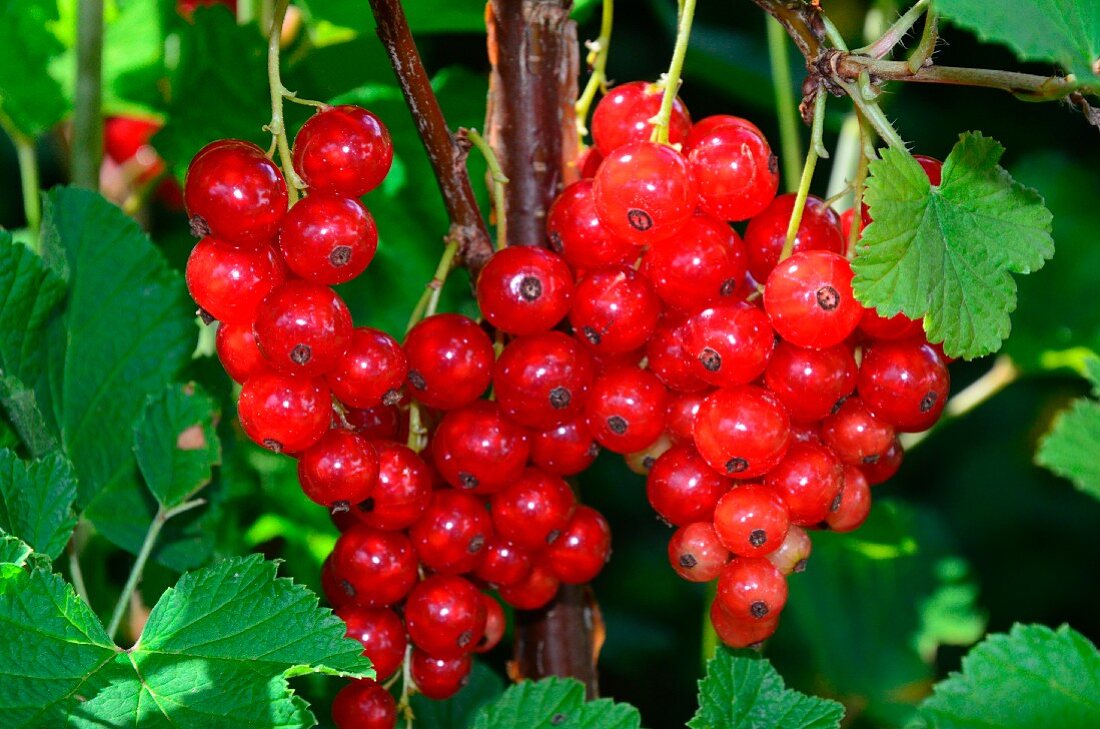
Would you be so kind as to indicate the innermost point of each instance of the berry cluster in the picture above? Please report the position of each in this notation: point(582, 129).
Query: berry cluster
point(759, 397)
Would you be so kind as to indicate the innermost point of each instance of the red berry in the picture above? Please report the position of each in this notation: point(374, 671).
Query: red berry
point(371, 372)
point(382, 634)
point(898, 326)
point(376, 568)
point(364, 704)
point(767, 233)
point(583, 548)
point(576, 233)
point(742, 432)
point(708, 124)
point(229, 283)
point(476, 448)
point(644, 192)
point(450, 361)
point(284, 414)
point(237, 351)
point(626, 409)
point(451, 534)
point(328, 239)
point(524, 290)
point(335, 589)
point(793, 553)
point(402, 491)
point(504, 563)
point(625, 115)
point(751, 520)
point(439, 678)
point(614, 310)
point(533, 511)
point(379, 423)
point(640, 462)
point(809, 299)
point(341, 469)
point(886, 466)
point(565, 449)
point(534, 591)
point(932, 167)
point(495, 623)
point(811, 383)
point(125, 136)
point(729, 344)
point(303, 328)
point(855, 435)
point(445, 615)
point(809, 480)
point(587, 162)
point(741, 633)
point(695, 552)
point(343, 149)
point(682, 410)
point(235, 193)
point(669, 360)
point(855, 502)
point(542, 380)
point(751, 589)
point(703, 265)
point(682, 488)
point(737, 173)
point(904, 383)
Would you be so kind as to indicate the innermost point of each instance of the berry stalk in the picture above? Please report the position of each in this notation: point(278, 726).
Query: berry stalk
point(675, 68)
point(278, 93)
point(817, 149)
point(499, 181)
point(598, 51)
point(789, 142)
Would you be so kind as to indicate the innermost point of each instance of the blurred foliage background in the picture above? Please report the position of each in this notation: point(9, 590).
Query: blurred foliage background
point(970, 536)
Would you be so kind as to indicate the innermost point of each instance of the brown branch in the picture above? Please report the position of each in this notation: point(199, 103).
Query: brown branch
point(447, 156)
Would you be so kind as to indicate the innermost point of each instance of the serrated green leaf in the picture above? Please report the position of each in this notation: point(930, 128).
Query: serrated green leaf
point(458, 711)
point(21, 405)
point(13, 550)
point(1031, 678)
point(554, 703)
point(29, 97)
point(1070, 448)
point(128, 330)
point(176, 444)
point(1066, 32)
point(946, 253)
point(742, 691)
point(36, 501)
point(29, 293)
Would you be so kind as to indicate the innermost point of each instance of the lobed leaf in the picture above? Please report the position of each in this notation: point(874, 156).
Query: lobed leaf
point(29, 97)
point(36, 501)
point(176, 444)
point(1070, 448)
point(554, 703)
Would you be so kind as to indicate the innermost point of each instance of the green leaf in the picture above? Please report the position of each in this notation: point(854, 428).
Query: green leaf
point(1066, 32)
point(1030, 678)
point(21, 405)
point(29, 292)
point(128, 330)
point(743, 691)
point(36, 501)
point(29, 97)
point(458, 711)
point(554, 703)
point(1070, 448)
point(14, 551)
point(176, 443)
point(946, 253)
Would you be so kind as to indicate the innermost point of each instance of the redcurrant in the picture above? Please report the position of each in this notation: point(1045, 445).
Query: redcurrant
point(374, 567)
point(644, 192)
point(811, 383)
point(855, 435)
point(524, 290)
point(751, 589)
point(625, 114)
point(450, 361)
point(855, 502)
point(766, 234)
point(451, 534)
point(303, 328)
point(371, 372)
point(809, 480)
point(542, 381)
point(704, 264)
point(445, 615)
point(534, 591)
point(476, 448)
point(364, 704)
point(229, 283)
point(533, 511)
point(343, 149)
point(742, 431)
point(504, 563)
point(237, 351)
point(439, 678)
point(626, 409)
point(565, 449)
point(284, 414)
point(729, 344)
point(904, 383)
point(739, 633)
point(751, 520)
point(583, 548)
point(793, 552)
point(339, 470)
point(809, 299)
point(328, 239)
point(382, 634)
point(577, 235)
point(682, 488)
point(695, 552)
point(614, 310)
point(402, 491)
point(737, 173)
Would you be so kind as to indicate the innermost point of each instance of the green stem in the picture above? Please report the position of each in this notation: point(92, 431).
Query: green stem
point(598, 50)
point(161, 518)
point(832, 33)
point(709, 642)
point(895, 33)
point(429, 300)
point(87, 151)
point(279, 92)
point(73, 549)
point(872, 112)
point(675, 68)
point(785, 102)
point(845, 158)
point(499, 181)
point(816, 147)
point(922, 54)
point(860, 185)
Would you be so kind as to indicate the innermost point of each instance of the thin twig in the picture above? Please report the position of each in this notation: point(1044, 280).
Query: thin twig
point(922, 54)
point(895, 34)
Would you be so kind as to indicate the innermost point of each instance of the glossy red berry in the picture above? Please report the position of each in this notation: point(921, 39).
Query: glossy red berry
point(767, 233)
point(533, 511)
point(682, 488)
point(235, 193)
point(704, 264)
point(695, 552)
point(565, 449)
point(382, 634)
point(854, 504)
point(237, 351)
point(339, 470)
point(811, 383)
point(737, 633)
point(328, 239)
point(626, 409)
point(855, 435)
point(742, 431)
point(896, 327)
point(583, 548)
point(376, 568)
point(343, 149)
point(371, 372)
point(587, 162)
point(794, 552)
point(284, 414)
point(542, 381)
point(577, 235)
point(668, 359)
point(886, 466)
point(364, 704)
point(534, 591)
point(932, 167)
point(477, 449)
point(626, 112)
point(751, 520)
point(125, 137)
point(614, 310)
point(334, 588)
point(229, 283)
point(450, 361)
point(737, 173)
point(524, 290)
point(904, 383)
point(729, 344)
point(504, 563)
point(809, 480)
point(680, 419)
point(303, 328)
point(384, 422)
point(751, 589)
point(451, 534)
point(809, 299)
point(439, 678)
point(644, 192)
point(495, 623)
point(401, 492)
point(445, 616)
